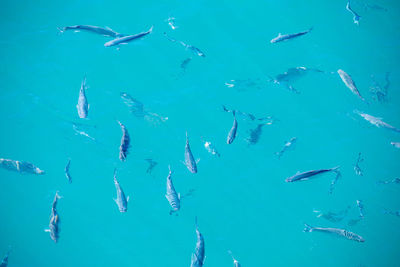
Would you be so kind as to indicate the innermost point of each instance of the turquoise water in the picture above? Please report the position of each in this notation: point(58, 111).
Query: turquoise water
point(241, 199)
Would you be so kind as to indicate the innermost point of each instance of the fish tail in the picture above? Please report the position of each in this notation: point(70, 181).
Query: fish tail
point(151, 29)
point(61, 30)
point(307, 228)
point(335, 169)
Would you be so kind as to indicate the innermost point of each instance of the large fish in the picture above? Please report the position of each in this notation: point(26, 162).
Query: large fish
point(199, 252)
point(95, 29)
point(125, 142)
point(377, 121)
point(336, 231)
point(82, 106)
point(54, 228)
point(190, 162)
point(121, 200)
point(348, 81)
point(172, 196)
point(308, 174)
point(127, 38)
point(232, 133)
point(285, 37)
point(20, 166)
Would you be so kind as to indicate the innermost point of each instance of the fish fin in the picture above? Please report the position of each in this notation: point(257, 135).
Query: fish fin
point(47, 230)
point(179, 196)
point(108, 28)
point(335, 169)
point(61, 30)
point(151, 29)
point(197, 160)
point(307, 228)
point(127, 199)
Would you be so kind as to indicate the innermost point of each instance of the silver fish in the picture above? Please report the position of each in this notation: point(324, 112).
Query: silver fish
point(232, 133)
point(121, 200)
point(395, 144)
point(334, 181)
point(377, 121)
point(348, 81)
point(357, 168)
point(67, 171)
point(190, 162)
point(199, 252)
point(20, 166)
point(287, 145)
point(54, 228)
point(125, 142)
point(285, 37)
point(360, 206)
point(336, 231)
point(127, 38)
point(192, 48)
point(82, 106)
point(95, 29)
point(306, 175)
point(356, 17)
point(172, 196)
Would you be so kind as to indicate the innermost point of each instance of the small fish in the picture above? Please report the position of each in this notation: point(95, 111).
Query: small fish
point(199, 253)
point(54, 228)
point(83, 133)
point(127, 38)
point(356, 17)
point(348, 81)
point(235, 262)
point(152, 164)
point(211, 149)
point(4, 261)
point(306, 175)
point(172, 196)
point(395, 144)
point(393, 181)
point(332, 216)
point(242, 85)
point(334, 181)
point(67, 171)
point(95, 29)
point(380, 93)
point(82, 106)
point(171, 23)
point(121, 200)
point(125, 141)
point(232, 133)
point(285, 37)
point(336, 231)
point(357, 168)
point(193, 49)
point(185, 63)
point(190, 162)
point(377, 121)
point(255, 134)
point(20, 166)
point(288, 145)
point(291, 75)
point(395, 213)
point(375, 7)
point(360, 206)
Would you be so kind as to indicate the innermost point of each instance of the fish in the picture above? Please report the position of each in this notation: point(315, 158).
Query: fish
point(287, 145)
point(192, 48)
point(356, 17)
point(334, 181)
point(127, 38)
point(125, 142)
point(198, 256)
point(82, 106)
point(20, 166)
point(340, 232)
point(377, 121)
point(357, 168)
point(306, 175)
point(121, 200)
point(395, 213)
point(172, 196)
point(4, 261)
point(211, 148)
point(66, 170)
point(185, 63)
point(152, 164)
point(171, 23)
point(395, 144)
point(244, 84)
point(232, 133)
point(360, 206)
point(95, 29)
point(54, 228)
point(332, 216)
point(83, 133)
point(380, 92)
point(393, 181)
point(291, 75)
point(190, 162)
point(255, 134)
point(285, 37)
point(348, 81)
point(235, 262)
